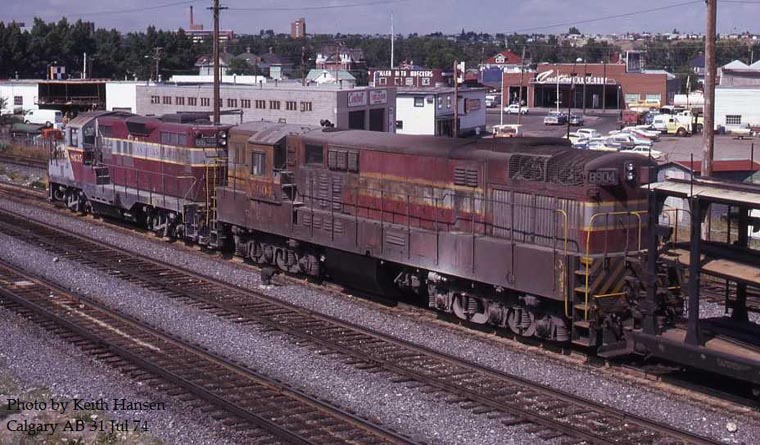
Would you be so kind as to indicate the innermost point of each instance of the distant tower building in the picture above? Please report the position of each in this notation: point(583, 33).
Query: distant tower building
point(298, 29)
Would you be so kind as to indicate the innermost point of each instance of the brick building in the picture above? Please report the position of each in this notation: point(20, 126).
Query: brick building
point(411, 78)
point(609, 86)
point(298, 29)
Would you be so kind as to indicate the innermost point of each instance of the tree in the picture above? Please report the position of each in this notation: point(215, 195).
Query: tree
point(240, 67)
point(573, 30)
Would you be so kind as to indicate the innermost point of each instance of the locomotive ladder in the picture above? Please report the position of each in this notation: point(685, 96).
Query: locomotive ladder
point(586, 270)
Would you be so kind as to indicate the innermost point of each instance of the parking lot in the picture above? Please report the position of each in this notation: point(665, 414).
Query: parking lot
point(673, 148)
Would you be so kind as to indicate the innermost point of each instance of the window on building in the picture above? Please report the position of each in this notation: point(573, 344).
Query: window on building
point(232, 103)
point(419, 101)
point(274, 104)
point(221, 102)
point(18, 100)
point(733, 119)
point(261, 104)
point(448, 101)
point(654, 97)
point(632, 98)
point(426, 81)
point(383, 81)
point(440, 102)
point(179, 100)
point(167, 100)
point(245, 103)
point(305, 106)
point(314, 154)
point(155, 99)
point(258, 163)
point(409, 81)
point(192, 101)
point(205, 102)
point(291, 105)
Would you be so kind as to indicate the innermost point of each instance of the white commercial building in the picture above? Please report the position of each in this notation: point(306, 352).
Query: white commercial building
point(430, 111)
point(363, 108)
point(122, 96)
point(19, 95)
point(737, 95)
point(737, 107)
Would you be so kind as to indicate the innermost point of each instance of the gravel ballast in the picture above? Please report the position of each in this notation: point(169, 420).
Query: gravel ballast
point(585, 381)
point(408, 410)
point(40, 363)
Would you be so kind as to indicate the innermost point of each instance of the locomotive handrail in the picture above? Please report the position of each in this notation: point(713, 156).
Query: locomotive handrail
point(637, 214)
point(665, 212)
point(564, 214)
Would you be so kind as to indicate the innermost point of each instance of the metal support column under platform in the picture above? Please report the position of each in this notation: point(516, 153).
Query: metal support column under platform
point(728, 345)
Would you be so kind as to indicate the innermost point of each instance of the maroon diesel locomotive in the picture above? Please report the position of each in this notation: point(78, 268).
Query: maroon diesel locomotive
point(527, 234)
point(158, 172)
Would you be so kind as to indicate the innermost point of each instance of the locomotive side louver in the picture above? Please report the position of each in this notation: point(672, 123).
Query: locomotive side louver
point(465, 176)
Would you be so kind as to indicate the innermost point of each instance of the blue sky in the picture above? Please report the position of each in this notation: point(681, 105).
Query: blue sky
point(421, 16)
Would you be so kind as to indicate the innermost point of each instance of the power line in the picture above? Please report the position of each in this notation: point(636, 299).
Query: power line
point(616, 16)
point(142, 9)
point(312, 8)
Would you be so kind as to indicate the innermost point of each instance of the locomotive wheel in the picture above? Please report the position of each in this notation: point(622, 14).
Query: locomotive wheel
point(522, 321)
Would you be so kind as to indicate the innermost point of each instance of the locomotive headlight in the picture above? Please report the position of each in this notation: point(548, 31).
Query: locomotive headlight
point(630, 172)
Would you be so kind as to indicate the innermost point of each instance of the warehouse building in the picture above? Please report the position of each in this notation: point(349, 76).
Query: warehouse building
point(363, 108)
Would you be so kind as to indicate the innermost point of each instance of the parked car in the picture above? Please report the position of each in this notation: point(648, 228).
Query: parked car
point(630, 139)
point(588, 132)
point(646, 151)
point(555, 118)
point(577, 119)
point(507, 131)
point(493, 100)
point(515, 109)
point(603, 145)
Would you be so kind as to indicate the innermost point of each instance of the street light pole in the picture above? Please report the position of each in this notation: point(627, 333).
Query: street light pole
point(556, 66)
point(571, 96)
point(503, 102)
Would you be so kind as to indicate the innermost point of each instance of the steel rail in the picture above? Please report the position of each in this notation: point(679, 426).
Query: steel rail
point(53, 295)
point(251, 305)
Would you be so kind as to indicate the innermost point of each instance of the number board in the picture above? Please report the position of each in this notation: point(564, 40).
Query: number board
point(603, 177)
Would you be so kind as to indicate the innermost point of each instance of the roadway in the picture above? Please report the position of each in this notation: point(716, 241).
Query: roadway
point(674, 148)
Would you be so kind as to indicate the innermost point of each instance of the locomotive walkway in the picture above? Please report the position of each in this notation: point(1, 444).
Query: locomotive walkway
point(263, 409)
point(511, 400)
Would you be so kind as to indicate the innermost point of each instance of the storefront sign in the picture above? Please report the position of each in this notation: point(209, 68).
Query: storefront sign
point(357, 98)
point(471, 105)
point(378, 97)
point(404, 73)
point(546, 77)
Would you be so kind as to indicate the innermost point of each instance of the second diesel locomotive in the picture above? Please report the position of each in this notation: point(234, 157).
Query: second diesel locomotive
point(526, 234)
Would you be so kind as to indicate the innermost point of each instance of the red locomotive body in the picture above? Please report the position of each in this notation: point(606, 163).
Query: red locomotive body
point(525, 233)
point(159, 172)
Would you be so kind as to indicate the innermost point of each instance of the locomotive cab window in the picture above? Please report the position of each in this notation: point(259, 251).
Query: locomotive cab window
point(314, 154)
point(258, 163)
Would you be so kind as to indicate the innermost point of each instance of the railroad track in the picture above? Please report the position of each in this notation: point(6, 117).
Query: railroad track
point(715, 291)
point(23, 161)
point(238, 397)
point(512, 400)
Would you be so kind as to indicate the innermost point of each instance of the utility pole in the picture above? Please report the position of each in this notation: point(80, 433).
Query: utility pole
point(604, 82)
point(519, 95)
point(708, 131)
point(216, 8)
point(393, 39)
point(157, 58)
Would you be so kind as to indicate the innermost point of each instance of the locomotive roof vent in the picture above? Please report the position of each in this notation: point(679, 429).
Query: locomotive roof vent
point(186, 117)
